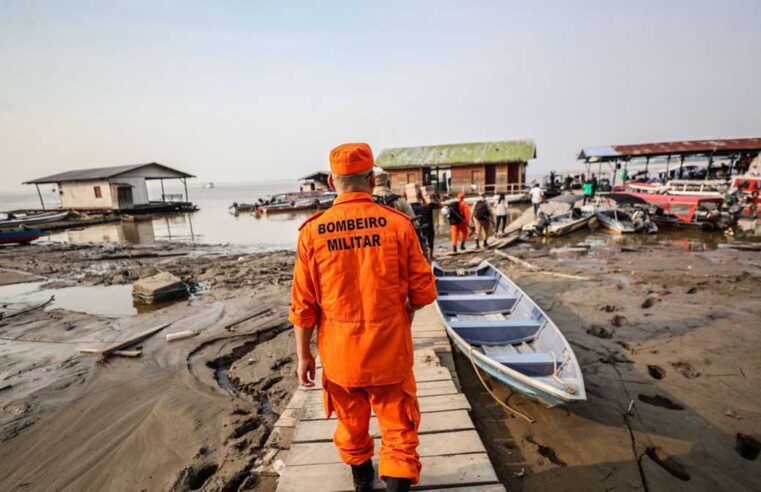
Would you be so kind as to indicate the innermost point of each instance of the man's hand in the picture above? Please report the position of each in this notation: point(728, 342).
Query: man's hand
point(306, 370)
point(411, 308)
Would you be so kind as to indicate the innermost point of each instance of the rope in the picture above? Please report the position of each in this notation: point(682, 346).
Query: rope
point(568, 386)
point(507, 407)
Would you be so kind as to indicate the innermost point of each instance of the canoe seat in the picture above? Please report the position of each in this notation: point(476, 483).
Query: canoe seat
point(531, 364)
point(496, 332)
point(466, 285)
point(476, 303)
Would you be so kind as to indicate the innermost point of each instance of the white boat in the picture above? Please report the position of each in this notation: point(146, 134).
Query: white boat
point(16, 220)
point(560, 224)
point(505, 334)
point(623, 221)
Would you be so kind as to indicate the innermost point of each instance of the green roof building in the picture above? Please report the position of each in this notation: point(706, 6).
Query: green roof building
point(493, 167)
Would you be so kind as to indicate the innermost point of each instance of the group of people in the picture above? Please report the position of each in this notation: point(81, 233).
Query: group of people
point(479, 219)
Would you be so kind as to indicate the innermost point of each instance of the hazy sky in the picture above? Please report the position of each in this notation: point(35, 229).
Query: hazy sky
point(256, 91)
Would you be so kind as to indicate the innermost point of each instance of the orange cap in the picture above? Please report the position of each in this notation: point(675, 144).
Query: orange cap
point(351, 158)
point(461, 195)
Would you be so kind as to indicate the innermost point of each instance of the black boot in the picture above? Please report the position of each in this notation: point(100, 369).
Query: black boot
point(454, 248)
point(462, 246)
point(398, 484)
point(363, 476)
point(486, 244)
point(478, 244)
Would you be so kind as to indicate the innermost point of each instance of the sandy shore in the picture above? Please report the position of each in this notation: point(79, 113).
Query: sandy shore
point(187, 414)
point(667, 338)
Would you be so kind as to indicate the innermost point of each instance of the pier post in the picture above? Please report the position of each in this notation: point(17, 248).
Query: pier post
point(40, 195)
point(185, 183)
point(163, 199)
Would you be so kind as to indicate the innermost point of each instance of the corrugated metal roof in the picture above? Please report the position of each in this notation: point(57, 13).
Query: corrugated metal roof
point(457, 154)
point(103, 173)
point(686, 147)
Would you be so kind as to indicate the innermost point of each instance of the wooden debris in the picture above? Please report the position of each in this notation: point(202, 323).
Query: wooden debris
point(26, 310)
point(229, 326)
point(104, 353)
point(536, 269)
point(179, 335)
point(122, 353)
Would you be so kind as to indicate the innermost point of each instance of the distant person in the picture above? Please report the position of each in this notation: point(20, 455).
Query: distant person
point(588, 190)
point(431, 203)
point(624, 176)
point(500, 212)
point(383, 195)
point(459, 220)
point(568, 183)
point(537, 196)
point(483, 218)
point(594, 185)
point(552, 179)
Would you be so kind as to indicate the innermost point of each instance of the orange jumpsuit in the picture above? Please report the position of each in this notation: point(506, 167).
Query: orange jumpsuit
point(463, 228)
point(358, 263)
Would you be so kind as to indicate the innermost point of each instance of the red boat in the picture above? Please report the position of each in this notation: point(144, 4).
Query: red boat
point(677, 210)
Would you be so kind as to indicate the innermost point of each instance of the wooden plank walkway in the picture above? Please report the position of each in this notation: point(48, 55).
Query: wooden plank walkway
point(302, 453)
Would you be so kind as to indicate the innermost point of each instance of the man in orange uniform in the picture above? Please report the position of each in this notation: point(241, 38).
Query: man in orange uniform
point(462, 228)
point(359, 277)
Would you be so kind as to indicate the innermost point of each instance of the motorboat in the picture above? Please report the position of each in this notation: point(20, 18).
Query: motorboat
point(21, 235)
point(507, 335)
point(15, 220)
point(562, 223)
point(625, 221)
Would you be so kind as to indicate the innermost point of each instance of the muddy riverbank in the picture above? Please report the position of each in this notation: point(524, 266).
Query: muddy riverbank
point(185, 415)
point(668, 342)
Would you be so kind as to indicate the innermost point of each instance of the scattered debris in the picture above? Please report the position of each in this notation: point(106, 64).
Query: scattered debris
point(179, 335)
point(668, 462)
point(546, 451)
point(229, 326)
point(732, 414)
point(685, 369)
point(104, 353)
point(4, 316)
point(648, 303)
point(618, 320)
point(159, 288)
point(536, 269)
point(609, 308)
point(599, 332)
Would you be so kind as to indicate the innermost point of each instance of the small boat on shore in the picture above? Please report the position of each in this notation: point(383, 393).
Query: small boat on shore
point(14, 220)
point(625, 221)
point(560, 224)
point(505, 334)
point(678, 210)
point(20, 235)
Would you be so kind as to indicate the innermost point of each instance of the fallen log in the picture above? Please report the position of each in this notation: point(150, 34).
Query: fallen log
point(536, 269)
point(122, 353)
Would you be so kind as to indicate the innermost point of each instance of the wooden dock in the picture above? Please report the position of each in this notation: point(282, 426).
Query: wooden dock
point(302, 453)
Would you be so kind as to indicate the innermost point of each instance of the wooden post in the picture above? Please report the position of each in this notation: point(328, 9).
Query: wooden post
point(39, 195)
point(708, 169)
point(162, 190)
point(668, 162)
point(681, 164)
point(185, 182)
point(647, 164)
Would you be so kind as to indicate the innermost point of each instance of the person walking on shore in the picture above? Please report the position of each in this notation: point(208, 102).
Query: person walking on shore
point(459, 220)
point(383, 194)
point(500, 212)
point(483, 218)
point(431, 203)
point(359, 277)
point(537, 197)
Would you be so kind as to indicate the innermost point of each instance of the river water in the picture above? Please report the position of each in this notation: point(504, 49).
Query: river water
point(214, 223)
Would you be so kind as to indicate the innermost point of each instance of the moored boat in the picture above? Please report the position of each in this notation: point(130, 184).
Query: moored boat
point(505, 334)
point(560, 224)
point(14, 220)
point(678, 210)
point(20, 235)
point(625, 221)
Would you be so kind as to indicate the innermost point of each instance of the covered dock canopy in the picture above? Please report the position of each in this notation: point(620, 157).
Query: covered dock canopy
point(738, 152)
point(724, 147)
point(114, 187)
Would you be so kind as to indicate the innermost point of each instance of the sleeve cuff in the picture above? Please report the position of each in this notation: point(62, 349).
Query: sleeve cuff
point(302, 321)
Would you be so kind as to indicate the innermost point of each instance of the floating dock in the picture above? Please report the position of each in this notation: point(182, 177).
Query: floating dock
point(301, 449)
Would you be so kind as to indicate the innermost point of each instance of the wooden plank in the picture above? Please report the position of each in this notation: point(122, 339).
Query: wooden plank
point(126, 343)
point(438, 403)
point(439, 444)
point(322, 430)
point(466, 471)
point(253, 314)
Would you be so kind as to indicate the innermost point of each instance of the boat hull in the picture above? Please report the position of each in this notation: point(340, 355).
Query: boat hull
point(518, 345)
point(21, 236)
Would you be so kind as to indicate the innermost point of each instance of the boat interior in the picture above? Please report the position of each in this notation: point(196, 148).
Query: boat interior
point(492, 315)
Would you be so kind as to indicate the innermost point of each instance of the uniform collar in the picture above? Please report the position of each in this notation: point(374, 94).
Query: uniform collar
point(352, 197)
